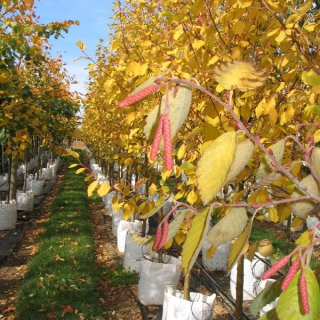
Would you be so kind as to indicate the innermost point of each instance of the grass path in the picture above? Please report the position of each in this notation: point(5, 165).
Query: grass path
point(62, 280)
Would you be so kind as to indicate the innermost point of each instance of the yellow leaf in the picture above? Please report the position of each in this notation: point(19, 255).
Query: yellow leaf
point(305, 239)
point(192, 197)
point(242, 156)
point(80, 170)
point(74, 165)
point(152, 189)
point(241, 75)
point(127, 211)
point(198, 44)
point(179, 195)
point(273, 214)
point(107, 85)
point(92, 186)
point(88, 177)
point(194, 240)
point(181, 152)
point(273, 116)
point(211, 251)
point(239, 27)
point(281, 36)
point(214, 165)
point(197, 7)
point(265, 166)
point(81, 45)
point(229, 227)
point(103, 189)
point(137, 69)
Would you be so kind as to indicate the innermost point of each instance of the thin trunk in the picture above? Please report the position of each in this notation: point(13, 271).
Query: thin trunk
point(239, 289)
point(13, 178)
point(186, 287)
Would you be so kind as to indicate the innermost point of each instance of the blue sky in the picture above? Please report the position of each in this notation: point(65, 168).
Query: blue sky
point(94, 17)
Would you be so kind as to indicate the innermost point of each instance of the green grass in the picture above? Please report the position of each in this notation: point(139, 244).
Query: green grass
point(63, 272)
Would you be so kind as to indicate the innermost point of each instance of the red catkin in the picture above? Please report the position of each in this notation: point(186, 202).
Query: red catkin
point(167, 143)
point(156, 140)
point(157, 239)
point(138, 96)
point(291, 273)
point(165, 230)
point(304, 294)
point(276, 267)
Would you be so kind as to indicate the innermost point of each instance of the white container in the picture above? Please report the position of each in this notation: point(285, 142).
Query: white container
point(37, 187)
point(25, 200)
point(4, 186)
point(155, 276)
point(123, 228)
point(176, 308)
point(135, 250)
point(8, 215)
point(47, 173)
point(218, 261)
point(116, 218)
point(252, 272)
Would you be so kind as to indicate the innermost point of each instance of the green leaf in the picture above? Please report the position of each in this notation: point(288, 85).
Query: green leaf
point(195, 238)
point(289, 305)
point(270, 315)
point(269, 294)
point(187, 166)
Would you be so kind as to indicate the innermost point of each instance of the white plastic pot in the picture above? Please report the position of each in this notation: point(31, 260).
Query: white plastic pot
point(218, 261)
point(135, 250)
point(116, 218)
point(47, 173)
point(37, 187)
point(123, 228)
point(4, 186)
point(155, 276)
point(25, 200)
point(253, 270)
point(176, 308)
point(8, 215)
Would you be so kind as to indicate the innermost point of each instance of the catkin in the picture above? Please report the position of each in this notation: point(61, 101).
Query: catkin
point(157, 239)
point(167, 143)
point(304, 294)
point(291, 273)
point(157, 140)
point(276, 267)
point(138, 96)
point(164, 236)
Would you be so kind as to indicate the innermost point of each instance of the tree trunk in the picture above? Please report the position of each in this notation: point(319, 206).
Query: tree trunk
point(239, 289)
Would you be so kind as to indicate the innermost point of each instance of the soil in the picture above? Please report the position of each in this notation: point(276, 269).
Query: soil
point(118, 303)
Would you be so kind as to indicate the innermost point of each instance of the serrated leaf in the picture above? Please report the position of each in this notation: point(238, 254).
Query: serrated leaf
point(237, 248)
point(74, 165)
point(229, 227)
point(269, 294)
point(265, 167)
point(293, 310)
point(103, 189)
point(194, 240)
point(302, 208)
point(242, 156)
point(241, 75)
point(214, 165)
point(80, 170)
point(92, 186)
